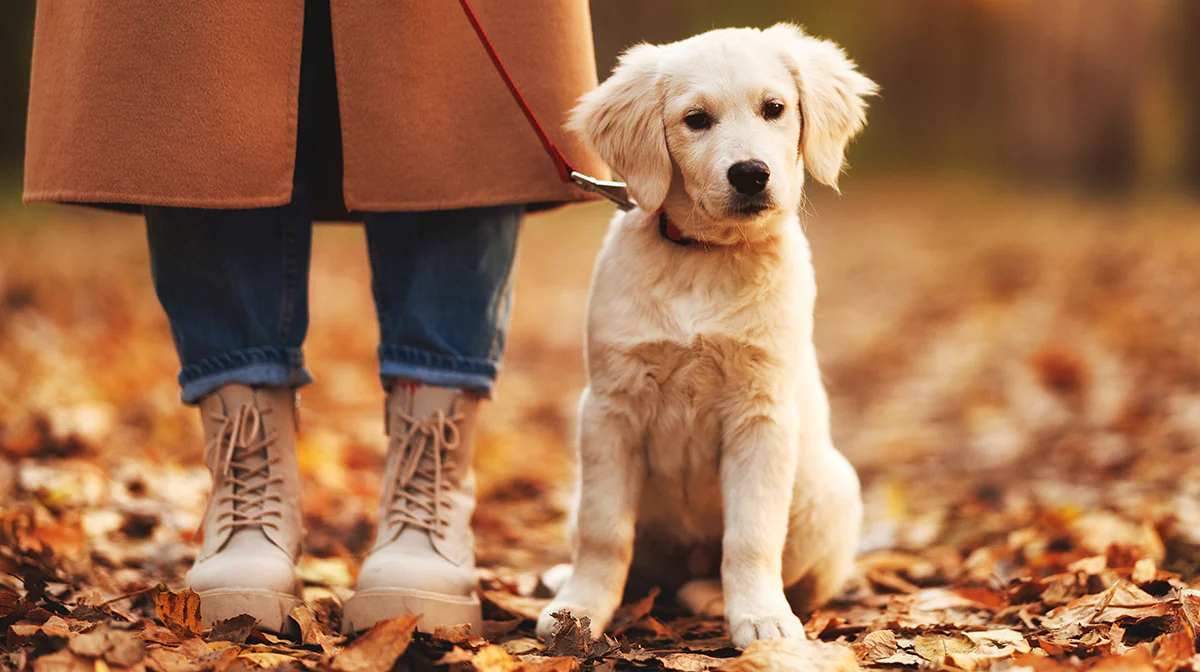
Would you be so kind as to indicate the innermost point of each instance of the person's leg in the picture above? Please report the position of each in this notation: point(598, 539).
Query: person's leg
point(234, 285)
point(442, 290)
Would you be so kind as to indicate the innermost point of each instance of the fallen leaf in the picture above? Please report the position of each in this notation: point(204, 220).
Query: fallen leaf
point(379, 648)
point(1122, 601)
point(493, 659)
point(126, 649)
point(170, 660)
point(528, 608)
point(999, 643)
point(179, 611)
point(63, 661)
point(902, 658)
point(570, 637)
point(793, 655)
point(90, 644)
point(876, 646)
point(1173, 650)
point(234, 630)
point(156, 634)
point(690, 662)
point(496, 629)
point(523, 645)
point(266, 660)
point(629, 615)
point(1144, 571)
point(936, 647)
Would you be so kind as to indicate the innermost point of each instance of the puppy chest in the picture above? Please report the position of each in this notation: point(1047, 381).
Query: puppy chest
point(687, 390)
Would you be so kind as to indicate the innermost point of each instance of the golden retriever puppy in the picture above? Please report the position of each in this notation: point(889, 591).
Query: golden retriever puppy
point(705, 458)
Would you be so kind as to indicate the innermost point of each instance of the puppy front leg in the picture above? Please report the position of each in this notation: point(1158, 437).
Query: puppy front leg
point(758, 467)
point(612, 468)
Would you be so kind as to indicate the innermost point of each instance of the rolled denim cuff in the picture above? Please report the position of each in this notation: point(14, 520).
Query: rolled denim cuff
point(252, 366)
point(400, 362)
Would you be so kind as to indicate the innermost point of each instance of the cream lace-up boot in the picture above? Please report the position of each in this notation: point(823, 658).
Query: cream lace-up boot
point(252, 527)
point(423, 561)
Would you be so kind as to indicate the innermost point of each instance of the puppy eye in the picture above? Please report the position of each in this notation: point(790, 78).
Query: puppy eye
point(698, 120)
point(772, 109)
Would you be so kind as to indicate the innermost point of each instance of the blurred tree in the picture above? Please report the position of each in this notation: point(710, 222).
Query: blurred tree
point(1075, 75)
point(1188, 84)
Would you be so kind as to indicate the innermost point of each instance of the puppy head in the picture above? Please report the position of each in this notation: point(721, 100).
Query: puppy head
point(718, 128)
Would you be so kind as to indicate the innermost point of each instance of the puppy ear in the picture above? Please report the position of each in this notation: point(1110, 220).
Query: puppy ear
point(622, 121)
point(832, 101)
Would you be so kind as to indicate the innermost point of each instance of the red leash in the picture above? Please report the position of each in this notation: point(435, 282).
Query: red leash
point(613, 191)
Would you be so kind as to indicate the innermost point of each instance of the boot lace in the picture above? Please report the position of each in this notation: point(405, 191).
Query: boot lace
point(244, 462)
point(427, 448)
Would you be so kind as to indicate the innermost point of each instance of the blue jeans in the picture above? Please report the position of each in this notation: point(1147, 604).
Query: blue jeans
point(234, 284)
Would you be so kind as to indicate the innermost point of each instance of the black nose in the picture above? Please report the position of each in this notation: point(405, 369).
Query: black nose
point(749, 177)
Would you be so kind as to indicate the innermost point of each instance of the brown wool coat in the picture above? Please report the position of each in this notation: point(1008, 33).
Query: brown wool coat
point(146, 102)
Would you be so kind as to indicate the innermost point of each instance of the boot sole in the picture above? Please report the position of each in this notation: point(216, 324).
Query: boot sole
point(270, 608)
point(369, 607)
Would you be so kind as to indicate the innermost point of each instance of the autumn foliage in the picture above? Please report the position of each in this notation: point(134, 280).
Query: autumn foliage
point(1016, 377)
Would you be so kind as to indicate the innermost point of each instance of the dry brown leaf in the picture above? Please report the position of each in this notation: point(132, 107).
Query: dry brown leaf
point(794, 655)
point(571, 637)
point(629, 615)
point(876, 646)
point(313, 631)
point(156, 634)
point(1144, 571)
point(63, 661)
point(528, 608)
point(998, 643)
point(179, 611)
point(690, 662)
point(266, 660)
point(169, 660)
point(379, 648)
point(494, 659)
point(1173, 650)
point(1122, 601)
point(936, 647)
point(523, 645)
point(543, 664)
point(496, 629)
point(90, 644)
point(1097, 531)
point(127, 649)
point(234, 630)
point(901, 658)
point(1137, 659)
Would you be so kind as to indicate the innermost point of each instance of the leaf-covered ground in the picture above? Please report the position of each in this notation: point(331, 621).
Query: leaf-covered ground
point(1016, 377)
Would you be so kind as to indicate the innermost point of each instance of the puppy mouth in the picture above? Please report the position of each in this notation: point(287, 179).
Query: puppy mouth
point(745, 208)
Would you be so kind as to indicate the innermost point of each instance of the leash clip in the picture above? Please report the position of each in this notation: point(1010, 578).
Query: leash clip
point(616, 192)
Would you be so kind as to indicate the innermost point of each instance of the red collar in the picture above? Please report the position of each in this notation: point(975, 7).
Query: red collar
point(670, 232)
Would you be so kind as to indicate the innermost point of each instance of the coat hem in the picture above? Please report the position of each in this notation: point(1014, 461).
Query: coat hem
point(548, 198)
point(104, 197)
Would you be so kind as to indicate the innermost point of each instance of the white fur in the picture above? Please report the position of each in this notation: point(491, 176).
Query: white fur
point(704, 430)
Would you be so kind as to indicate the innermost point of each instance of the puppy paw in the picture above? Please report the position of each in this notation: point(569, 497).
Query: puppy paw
point(547, 624)
point(747, 628)
point(703, 597)
point(553, 579)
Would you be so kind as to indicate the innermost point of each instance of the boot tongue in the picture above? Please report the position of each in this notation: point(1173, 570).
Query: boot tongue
point(411, 508)
point(425, 401)
point(245, 428)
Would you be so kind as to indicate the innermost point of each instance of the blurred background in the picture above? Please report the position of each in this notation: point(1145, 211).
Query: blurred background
point(1008, 319)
